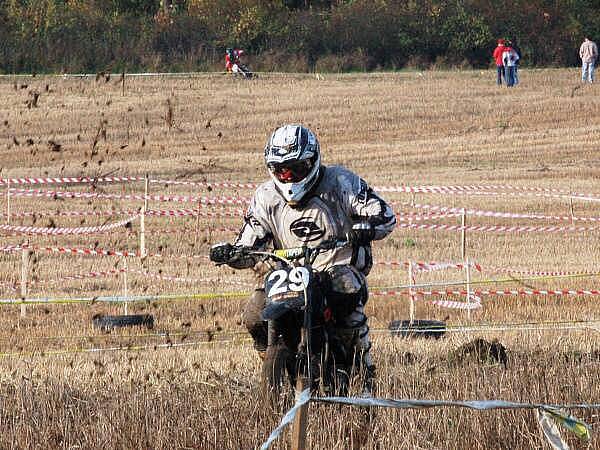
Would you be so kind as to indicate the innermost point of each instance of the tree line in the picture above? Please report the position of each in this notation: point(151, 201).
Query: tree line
point(69, 36)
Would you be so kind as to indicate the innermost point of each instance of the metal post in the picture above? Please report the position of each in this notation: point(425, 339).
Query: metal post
point(468, 269)
point(125, 290)
point(463, 224)
point(24, 271)
point(411, 294)
point(143, 253)
point(7, 201)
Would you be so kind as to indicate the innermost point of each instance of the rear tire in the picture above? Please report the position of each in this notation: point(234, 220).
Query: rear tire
point(107, 323)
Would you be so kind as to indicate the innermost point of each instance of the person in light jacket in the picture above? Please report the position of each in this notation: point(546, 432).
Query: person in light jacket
point(509, 59)
point(588, 52)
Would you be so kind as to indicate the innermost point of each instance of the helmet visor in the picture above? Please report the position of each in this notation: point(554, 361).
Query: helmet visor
point(291, 171)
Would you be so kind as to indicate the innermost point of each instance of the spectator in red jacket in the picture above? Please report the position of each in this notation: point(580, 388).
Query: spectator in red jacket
point(498, 51)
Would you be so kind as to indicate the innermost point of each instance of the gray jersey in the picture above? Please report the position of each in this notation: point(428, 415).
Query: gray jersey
point(339, 200)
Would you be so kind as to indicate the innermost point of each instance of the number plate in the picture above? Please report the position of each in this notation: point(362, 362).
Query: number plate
point(288, 283)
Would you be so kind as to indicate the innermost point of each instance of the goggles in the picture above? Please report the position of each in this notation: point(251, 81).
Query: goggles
point(291, 171)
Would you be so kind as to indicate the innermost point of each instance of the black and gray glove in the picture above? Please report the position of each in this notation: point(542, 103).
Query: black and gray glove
point(362, 233)
point(221, 253)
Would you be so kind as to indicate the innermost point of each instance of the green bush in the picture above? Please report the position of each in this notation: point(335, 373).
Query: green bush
point(289, 35)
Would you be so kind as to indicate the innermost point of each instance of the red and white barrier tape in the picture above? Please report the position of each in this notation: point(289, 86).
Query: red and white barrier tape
point(137, 197)
point(112, 272)
point(541, 273)
point(235, 213)
point(451, 304)
point(99, 274)
point(453, 212)
point(85, 251)
point(207, 184)
point(429, 266)
point(126, 179)
point(499, 228)
point(488, 190)
point(403, 217)
point(496, 292)
point(161, 276)
point(11, 248)
point(252, 185)
point(68, 180)
point(65, 231)
point(193, 230)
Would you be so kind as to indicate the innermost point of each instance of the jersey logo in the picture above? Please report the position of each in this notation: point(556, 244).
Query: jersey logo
point(306, 229)
point(362, 191)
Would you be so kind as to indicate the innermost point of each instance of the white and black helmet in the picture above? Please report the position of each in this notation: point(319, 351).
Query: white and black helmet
point(293, 157)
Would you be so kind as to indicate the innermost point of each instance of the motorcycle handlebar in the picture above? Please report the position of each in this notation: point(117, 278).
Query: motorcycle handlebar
point(295, 253)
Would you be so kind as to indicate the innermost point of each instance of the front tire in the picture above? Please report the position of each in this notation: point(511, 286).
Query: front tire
point(275, 371)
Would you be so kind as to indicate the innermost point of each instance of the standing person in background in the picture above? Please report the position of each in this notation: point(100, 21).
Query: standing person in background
point(515, 47)
point(497, 55)
point(588, 52)
point(509, 59)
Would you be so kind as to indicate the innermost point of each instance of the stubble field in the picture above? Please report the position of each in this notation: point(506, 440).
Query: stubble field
point(192, 381)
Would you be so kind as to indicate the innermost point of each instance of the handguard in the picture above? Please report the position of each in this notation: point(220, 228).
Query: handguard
point(221, 253)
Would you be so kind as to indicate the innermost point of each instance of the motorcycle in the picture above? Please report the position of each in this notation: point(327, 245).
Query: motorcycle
point(303, 345)
point(242, 70)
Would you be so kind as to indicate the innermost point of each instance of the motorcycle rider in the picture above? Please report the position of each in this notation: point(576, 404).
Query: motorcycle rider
point(233, 63)
point(306, 203)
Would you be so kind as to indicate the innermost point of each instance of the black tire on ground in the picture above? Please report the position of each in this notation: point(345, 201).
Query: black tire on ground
point(419, 328)
point(275, 371)
point(107, 323)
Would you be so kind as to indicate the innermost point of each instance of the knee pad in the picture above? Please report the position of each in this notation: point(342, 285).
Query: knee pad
point(346, 289)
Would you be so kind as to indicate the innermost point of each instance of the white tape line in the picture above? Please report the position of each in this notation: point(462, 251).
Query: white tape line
point(550, 430)
point(480, 405)
point(288, 418)
point(580, 428)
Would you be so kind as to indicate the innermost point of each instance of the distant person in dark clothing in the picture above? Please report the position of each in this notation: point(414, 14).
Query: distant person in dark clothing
point(515, 47)
point(497, 55)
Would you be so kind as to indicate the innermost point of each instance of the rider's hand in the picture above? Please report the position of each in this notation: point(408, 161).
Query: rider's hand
point(362, 233)
point(221, 253)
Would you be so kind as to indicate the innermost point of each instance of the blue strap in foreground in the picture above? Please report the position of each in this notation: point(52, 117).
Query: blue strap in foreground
point(302, 400)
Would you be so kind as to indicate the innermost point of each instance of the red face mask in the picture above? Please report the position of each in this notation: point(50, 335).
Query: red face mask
point(291, 172)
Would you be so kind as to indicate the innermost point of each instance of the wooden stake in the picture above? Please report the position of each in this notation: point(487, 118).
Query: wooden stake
point(123, 84)
point(463, 224)
point(411, 293)
point(197, 226)
point(24, 271)
point(301, 420)
point(571, 208)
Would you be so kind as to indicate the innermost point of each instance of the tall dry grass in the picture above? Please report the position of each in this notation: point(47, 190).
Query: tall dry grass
point(413, 128)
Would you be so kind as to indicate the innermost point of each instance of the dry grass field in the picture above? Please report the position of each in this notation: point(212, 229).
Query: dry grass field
point(192, 381)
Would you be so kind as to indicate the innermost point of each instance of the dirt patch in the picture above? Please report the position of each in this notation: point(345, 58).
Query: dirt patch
point(481, 351)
